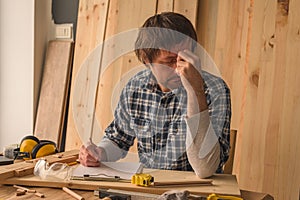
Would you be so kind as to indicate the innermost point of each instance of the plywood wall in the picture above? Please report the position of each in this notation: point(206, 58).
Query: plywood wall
point(256, 45)
point(90, 110)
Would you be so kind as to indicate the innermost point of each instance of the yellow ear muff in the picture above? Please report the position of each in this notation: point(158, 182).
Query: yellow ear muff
point(44, 148)
point(31, 147)
point(26, 146)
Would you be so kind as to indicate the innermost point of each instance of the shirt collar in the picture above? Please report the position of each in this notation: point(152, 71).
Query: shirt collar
point(152, 85)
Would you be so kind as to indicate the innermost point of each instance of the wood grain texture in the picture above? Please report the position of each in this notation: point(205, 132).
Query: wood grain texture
point(222, 183)
point(24, 168)
point(188, 9)
point(115, 20)
point(260, 95)
point(90, 33)
point(54, 89)
point(256, 45)
point(164, 6)
point(113, 73)
point(227, 46)
point(8, 193)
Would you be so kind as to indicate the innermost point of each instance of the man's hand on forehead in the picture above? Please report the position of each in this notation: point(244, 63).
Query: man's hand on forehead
point(188, 56)
point(188, 68)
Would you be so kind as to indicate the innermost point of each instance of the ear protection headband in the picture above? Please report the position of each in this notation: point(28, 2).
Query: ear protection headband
point(31, 147)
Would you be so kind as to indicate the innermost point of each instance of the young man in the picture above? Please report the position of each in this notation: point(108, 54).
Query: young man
point(179, 114)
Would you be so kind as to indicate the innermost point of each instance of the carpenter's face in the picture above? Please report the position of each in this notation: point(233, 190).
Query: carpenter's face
point(164, 65)
point(163, 68)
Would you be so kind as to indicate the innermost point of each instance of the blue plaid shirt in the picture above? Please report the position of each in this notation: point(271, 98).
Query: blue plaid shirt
point(157, 120)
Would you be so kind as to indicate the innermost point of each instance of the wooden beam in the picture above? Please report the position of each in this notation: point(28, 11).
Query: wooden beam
point(26, 167)
point(53, 96)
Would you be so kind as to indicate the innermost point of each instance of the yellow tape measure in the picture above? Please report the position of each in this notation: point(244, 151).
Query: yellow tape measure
point(142, 179)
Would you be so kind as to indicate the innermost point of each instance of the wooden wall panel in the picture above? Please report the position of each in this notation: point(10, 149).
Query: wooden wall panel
point(258, 95)
point(91, 22)
point(99, 20)
point(223, 31)
point(190, 9)
point(164, 6)
point(119, 20)
point(255, 44)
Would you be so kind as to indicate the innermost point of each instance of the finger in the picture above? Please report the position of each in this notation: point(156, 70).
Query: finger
point(86, 158)
point(183, 56)
point(88, 162)
point(92, 164)
point(190, 57)
point(181, 65)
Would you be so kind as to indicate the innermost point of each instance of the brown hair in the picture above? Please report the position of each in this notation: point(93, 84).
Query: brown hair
point(169, 29)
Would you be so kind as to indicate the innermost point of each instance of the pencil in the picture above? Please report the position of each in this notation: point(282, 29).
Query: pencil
point(72, 163)
point(73, 194)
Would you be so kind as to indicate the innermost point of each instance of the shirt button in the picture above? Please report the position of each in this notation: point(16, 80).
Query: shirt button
point(158, 139)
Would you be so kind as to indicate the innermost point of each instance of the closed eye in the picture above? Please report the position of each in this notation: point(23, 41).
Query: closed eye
point(169, 62)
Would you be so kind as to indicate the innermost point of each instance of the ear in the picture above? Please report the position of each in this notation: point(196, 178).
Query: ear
point(147, 63)
point(146, 60)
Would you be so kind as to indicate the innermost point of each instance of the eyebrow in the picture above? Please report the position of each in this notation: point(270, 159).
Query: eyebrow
point(169, 57)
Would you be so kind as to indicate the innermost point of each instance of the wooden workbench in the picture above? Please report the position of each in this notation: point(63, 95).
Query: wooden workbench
point(21, 174)
point(222, 184)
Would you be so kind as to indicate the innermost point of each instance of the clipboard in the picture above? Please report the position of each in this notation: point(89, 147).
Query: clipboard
point(107, 171)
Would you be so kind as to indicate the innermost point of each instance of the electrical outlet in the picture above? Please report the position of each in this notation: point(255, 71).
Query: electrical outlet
point(64, 31)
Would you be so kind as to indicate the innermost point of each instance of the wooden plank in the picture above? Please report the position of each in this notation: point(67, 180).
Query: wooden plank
point(189, 10)
point(268, 164)
point(206, 24)
point(90, 33)
point(259, 94)
point(164, 6)
point(26, 167)
point(288, 164)
point(222, 184)
point(271, 176)
point(54, 89)
point(231, 57)
point(228, 48)
point(257, 57)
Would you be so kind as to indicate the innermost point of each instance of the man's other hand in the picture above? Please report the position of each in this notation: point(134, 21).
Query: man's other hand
point(90, 156)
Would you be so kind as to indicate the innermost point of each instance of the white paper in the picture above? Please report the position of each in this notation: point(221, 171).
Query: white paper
point(124, 170)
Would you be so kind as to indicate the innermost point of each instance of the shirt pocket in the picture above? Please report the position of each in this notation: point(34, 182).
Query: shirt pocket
point(139, 125)
point(173, 128)
point(142, 130)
